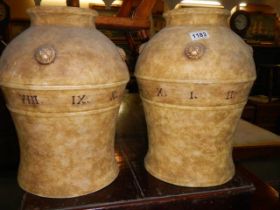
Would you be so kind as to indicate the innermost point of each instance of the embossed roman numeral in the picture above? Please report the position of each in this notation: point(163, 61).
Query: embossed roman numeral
point(114, 95)
point(192, 95)
point(230, 95)
point(27, 99)
point(77, 100)
point(161, 92)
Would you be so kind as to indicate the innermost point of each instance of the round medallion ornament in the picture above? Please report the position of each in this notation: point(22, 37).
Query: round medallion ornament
point(45, 54)
point(194, 51)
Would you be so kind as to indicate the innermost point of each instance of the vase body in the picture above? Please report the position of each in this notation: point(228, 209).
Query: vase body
point(194, 78)
point(63, 82)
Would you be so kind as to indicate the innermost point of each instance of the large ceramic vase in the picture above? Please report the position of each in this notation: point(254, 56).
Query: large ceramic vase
point(63, 82)
point(194, 78)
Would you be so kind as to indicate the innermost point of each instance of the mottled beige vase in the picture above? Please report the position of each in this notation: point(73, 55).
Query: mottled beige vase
point(63, 82)
point(194, 77)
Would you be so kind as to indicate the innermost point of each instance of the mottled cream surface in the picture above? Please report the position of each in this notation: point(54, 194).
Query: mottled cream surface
point(63, 82)
point(194, 77)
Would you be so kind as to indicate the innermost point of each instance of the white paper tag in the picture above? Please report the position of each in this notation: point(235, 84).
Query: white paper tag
point(197, 35)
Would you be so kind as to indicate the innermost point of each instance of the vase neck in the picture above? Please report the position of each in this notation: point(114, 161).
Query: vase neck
point(197, 16)
point(62, 16)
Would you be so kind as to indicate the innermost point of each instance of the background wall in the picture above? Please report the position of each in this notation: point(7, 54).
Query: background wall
point(18, 7)
point(229, 4)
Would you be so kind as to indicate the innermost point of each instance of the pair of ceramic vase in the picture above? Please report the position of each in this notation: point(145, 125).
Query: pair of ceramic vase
point(63, 83)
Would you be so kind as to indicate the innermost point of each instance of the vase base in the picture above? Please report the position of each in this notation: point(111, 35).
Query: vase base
point(187, 183)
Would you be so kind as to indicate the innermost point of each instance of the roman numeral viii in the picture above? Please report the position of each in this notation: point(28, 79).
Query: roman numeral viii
point(30, 100)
